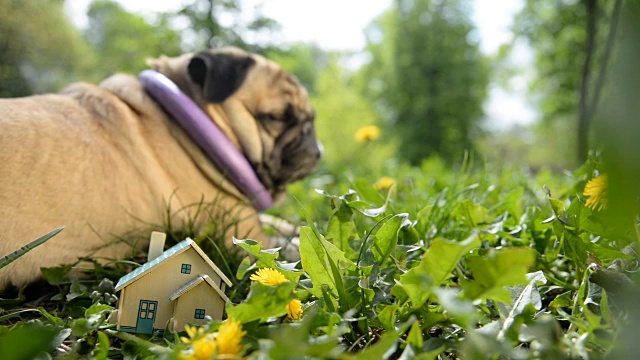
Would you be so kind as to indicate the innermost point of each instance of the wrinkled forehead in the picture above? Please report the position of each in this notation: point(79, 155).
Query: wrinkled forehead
point(268, 78)
point(264, 67)
point(260, 61)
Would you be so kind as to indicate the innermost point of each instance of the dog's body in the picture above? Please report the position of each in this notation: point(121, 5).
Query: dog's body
point(101, 160)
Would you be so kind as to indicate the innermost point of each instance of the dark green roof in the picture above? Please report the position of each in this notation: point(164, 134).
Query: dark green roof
point(177, 248)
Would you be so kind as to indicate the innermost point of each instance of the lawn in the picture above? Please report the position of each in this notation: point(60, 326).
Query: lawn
point(431, 262)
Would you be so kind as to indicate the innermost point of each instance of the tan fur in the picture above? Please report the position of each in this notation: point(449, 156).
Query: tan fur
point(101, 160)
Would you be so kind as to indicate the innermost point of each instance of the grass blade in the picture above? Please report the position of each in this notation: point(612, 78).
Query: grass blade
point(6, 260)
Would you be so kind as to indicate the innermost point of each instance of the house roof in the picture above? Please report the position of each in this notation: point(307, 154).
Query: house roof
point(195, 282)
point(178, 248)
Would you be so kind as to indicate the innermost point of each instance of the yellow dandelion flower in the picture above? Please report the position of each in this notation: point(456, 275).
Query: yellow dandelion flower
point(201, 345)
point(193, 332)
point(294, 310)
point(225, 344)
point(367, 133)
point(229, 338)
point(384, 183)
point(268, 276)
point(201, 349)
point(596, 190)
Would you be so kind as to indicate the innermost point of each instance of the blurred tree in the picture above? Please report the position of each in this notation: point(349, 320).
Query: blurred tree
point(572, 42)
point(303, 60)
point(39, 49)
point(122, 40)
point(214, 23)
point(427, 76)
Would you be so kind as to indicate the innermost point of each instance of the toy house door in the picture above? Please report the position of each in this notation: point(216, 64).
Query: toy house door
point(146, 316)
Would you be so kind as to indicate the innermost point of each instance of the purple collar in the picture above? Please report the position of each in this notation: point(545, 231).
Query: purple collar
point(207, 135)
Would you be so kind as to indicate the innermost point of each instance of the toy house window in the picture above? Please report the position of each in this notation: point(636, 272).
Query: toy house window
point(186, 269)
point(199, 314)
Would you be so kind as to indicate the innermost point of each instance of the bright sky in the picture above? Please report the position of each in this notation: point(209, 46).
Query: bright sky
point(339, 25)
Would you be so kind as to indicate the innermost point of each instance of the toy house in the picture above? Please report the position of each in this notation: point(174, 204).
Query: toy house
point(180, 285)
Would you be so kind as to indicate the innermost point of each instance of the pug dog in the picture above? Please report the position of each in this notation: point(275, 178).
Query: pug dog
point(105, 160)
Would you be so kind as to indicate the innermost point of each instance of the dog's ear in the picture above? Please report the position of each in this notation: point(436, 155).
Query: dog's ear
point(219, 74)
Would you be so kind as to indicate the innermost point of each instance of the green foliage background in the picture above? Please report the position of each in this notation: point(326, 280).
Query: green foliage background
point(432, 102)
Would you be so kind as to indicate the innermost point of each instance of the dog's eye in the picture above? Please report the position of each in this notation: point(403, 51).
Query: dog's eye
point(267, 117)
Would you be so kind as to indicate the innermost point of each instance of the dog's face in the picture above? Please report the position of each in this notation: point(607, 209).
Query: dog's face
point(261, 108)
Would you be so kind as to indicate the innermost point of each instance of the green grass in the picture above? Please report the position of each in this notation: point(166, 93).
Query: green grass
point(475, 263)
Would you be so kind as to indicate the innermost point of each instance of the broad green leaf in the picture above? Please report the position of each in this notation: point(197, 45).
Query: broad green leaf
point(400, 294)
point(436, 266)
point(82, 326)
point(327, 254)
point(137, 347)
point(97, 309)
point(513, 202)
point(455, 305)
point(329, 302)
point(243, 268)
point(263, 302)
point(368, 193)
point(443, 256)
point(365, 208)
point(605, 254)
point(28, 342)
point(385, 239)
point(387, 317)
point(414, 337)
point(366, 292)
point(495, 270)
point(559, 209)
point(371, 195)
point(561, 301)
point(352, 200)
point(55, 320)
point(265, 259)
point(316, 255)
point(408, 352)
point(582, 218)
point(77, 290)
point(547, 331)
point(102, 347)
point(477, 345)
point(416, 284)
point(521, 297)
point(575, 249)
point(555, 247)
point(423, 218)
point(56, 275)
point(293, 341)
point(433, 348)
point(8, 259)
point(472, 213)
point(408, 236)
point(343, 304)
point(520, 294)
point(593, 320)
point(342, 230)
